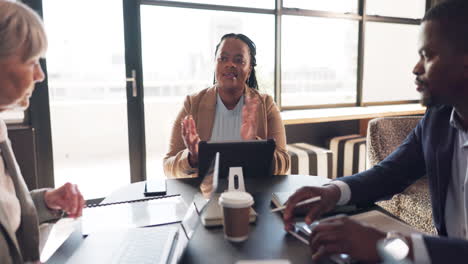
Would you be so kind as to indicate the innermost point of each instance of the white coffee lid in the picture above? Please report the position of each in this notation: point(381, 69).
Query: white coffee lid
point(236, 199)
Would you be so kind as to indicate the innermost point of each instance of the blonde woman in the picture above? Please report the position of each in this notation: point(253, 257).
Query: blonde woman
point(22, 43)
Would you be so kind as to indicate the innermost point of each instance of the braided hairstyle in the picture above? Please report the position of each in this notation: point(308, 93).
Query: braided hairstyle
point(252, 80)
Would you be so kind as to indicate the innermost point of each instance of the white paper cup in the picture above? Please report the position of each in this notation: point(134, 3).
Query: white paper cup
point(236, 208)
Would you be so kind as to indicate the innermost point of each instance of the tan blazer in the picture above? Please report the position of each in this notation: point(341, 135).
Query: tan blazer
point(24, 244)
point(202, 106)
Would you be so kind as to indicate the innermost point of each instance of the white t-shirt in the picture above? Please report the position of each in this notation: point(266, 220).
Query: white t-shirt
point(227, 123)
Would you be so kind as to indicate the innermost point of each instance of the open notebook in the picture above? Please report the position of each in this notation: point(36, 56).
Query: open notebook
point(279, 199)
point(135, 213)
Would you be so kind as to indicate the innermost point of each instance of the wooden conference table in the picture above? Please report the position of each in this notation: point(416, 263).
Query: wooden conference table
point(267, 238)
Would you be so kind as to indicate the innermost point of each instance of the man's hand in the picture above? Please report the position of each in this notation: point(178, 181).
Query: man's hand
point(249, 119)
point(330, 195)
point(67, 198)
point(191, 139)
point(344, 235)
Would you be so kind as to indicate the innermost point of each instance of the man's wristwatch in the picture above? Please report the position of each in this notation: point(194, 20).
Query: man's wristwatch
point(396, 245)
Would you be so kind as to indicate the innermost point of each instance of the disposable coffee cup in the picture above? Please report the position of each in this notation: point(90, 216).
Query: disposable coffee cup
point(236, 208)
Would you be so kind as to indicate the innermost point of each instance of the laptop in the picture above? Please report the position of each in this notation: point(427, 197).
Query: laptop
point(158, 244)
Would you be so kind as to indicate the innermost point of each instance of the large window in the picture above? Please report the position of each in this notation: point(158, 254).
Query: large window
point(86, 78)
point(388, 64)
point(270, 4)
point(327, 53)
point(310, 54)
point(396, 8)
point(175, 65)
point(340, 53)
point(343, 6)
point(319, 61)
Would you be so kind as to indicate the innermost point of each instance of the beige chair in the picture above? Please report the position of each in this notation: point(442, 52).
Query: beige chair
point(413, 205)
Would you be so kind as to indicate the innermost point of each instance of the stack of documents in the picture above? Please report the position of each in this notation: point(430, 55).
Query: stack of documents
point(130, 214)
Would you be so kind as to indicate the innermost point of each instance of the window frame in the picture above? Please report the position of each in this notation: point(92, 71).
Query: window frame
point(38, 114)
point(279, 11)
point(38, 117)
point(363, 18)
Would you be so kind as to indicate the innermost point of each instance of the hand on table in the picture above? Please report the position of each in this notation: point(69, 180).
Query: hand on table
point(329, 194)
point(67, 198)
point(249, 118)
point(344, 235)
point(191, 139)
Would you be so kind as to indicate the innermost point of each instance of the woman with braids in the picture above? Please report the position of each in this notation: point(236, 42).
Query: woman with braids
point(232, 109)
point(22, 43)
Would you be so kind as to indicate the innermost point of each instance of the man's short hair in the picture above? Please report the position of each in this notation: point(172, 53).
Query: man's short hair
point(453, 18)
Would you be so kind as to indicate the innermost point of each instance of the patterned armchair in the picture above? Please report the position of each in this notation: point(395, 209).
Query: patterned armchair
point(413, 205)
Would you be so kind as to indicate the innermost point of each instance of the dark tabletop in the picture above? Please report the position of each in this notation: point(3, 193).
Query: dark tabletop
point(267, 238)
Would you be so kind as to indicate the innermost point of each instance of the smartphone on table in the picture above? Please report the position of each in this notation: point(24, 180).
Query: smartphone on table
point(155, 187)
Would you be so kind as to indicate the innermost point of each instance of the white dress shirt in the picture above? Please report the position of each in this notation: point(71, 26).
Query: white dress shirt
point(456, 210)
point(456, 203)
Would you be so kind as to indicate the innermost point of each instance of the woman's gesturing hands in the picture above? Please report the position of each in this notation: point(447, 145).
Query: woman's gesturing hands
point(248, 129)
point(191, 139)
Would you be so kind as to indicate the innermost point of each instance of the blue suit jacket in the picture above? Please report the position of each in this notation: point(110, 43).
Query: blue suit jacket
point(428, 149)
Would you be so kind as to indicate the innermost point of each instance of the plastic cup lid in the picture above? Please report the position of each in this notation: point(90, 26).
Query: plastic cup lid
point(236, 199)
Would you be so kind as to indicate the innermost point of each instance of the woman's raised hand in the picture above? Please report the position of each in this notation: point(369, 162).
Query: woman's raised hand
point(191, 139)
point(249, 118)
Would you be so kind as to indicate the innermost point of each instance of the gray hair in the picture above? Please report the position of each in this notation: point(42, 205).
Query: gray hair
point(21, 29)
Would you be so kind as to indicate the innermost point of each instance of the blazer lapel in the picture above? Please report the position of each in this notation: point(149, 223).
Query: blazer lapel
point(261, 112)
point(28, 232)
point(3, 213)
point(6, 226)
point(206, 114)
point(207, 111)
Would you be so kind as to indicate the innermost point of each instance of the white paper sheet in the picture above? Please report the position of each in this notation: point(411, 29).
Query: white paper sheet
point(135, 214)
point(52, 236)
